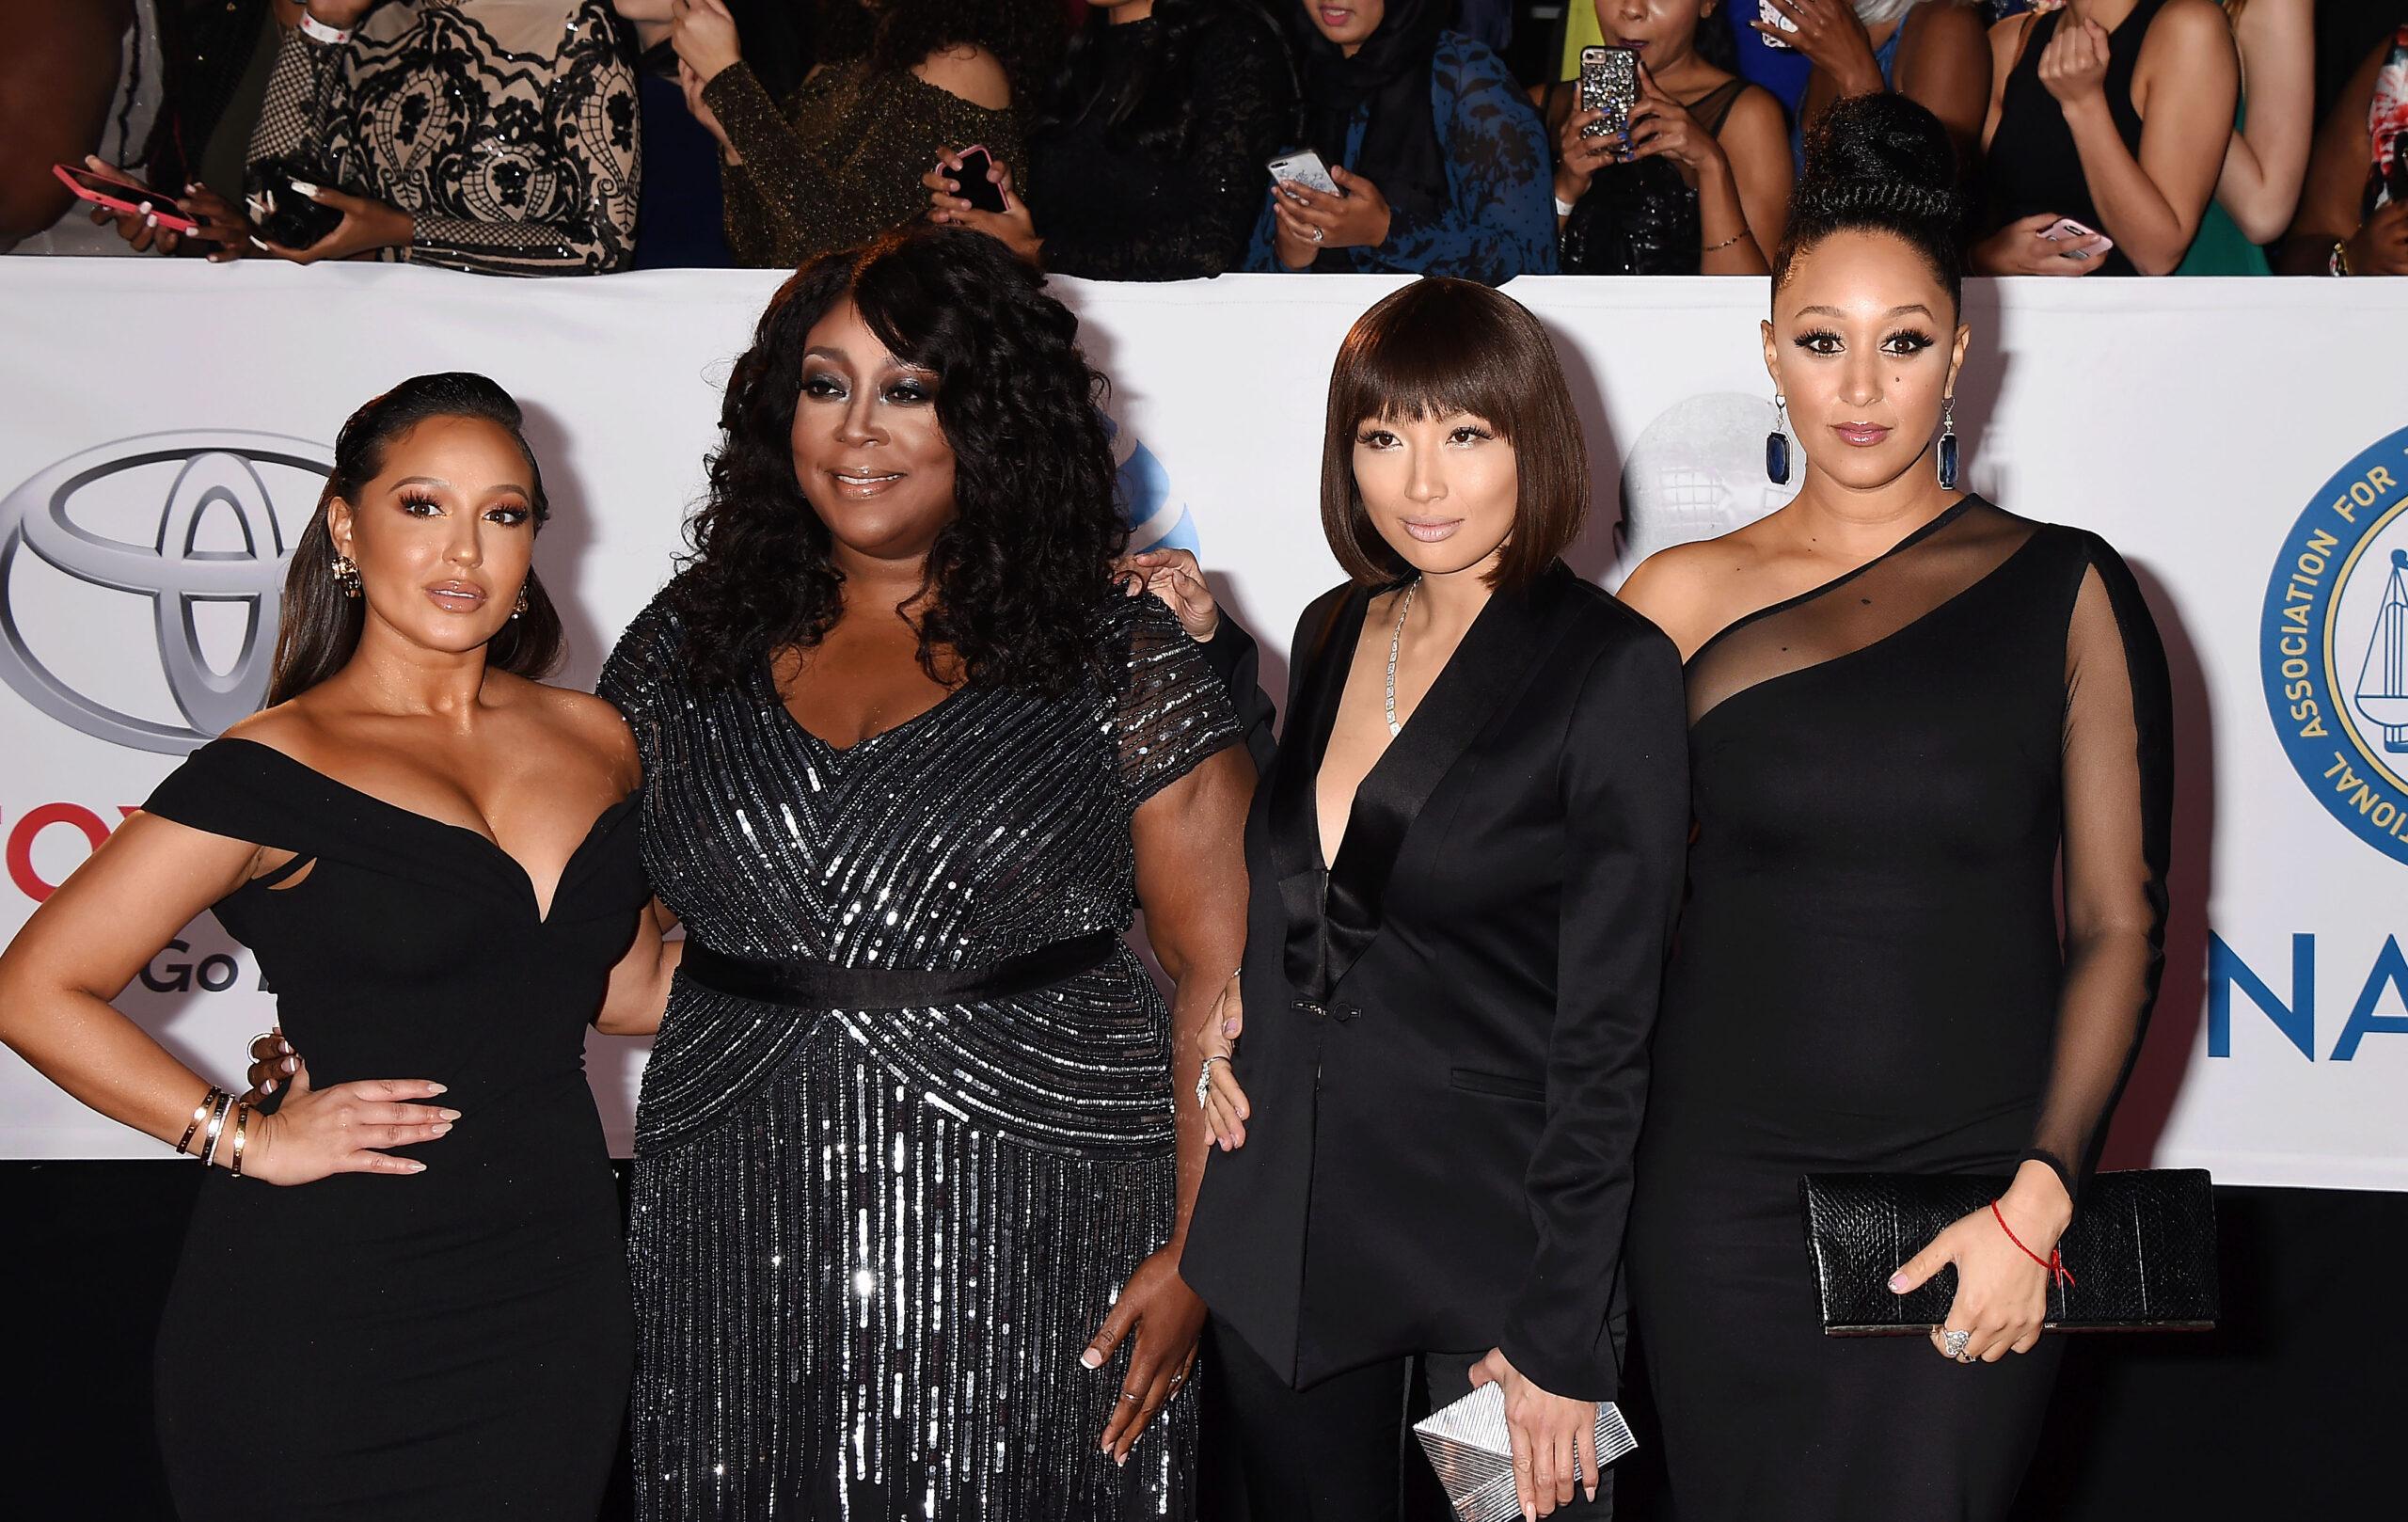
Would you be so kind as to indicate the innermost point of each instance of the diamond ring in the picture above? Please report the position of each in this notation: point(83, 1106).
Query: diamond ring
point(1953, 1344)
point(1315, 234)
point(1204, 1080)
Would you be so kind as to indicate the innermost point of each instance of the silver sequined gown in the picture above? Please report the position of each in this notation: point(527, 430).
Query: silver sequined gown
point(868, 1248)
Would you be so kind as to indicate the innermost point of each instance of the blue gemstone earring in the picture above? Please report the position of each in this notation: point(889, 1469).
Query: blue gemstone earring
point(1777, 443)
point(1948, 443)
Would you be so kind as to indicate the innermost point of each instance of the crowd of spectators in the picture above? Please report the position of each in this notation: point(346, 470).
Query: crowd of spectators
point(1131, 139)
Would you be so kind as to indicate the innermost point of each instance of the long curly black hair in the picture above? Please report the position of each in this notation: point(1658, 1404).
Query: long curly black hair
point(1144, 108)
point(1020, 573)
point(1025, 36)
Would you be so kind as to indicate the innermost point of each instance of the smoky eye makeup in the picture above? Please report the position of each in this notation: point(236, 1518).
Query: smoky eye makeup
point(1911, 341)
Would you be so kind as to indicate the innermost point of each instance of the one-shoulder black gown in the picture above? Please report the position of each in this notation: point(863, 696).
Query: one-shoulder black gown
point(454, 1343)
point(1871, 976)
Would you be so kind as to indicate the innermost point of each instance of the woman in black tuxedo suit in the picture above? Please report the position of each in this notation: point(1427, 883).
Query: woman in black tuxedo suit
point(1465, 862)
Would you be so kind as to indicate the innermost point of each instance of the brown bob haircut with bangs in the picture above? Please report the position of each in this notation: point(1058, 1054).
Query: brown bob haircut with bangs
point(1431, 350)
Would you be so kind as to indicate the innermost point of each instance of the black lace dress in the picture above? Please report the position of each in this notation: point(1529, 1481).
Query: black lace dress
point(868, 1246)
point(506, 128)
point(1170, 193)
point(1870, 978)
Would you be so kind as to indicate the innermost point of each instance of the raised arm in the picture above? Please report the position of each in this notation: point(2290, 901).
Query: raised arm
point(104, 924)
point(2151, 202)
point(2329, 215)
point(2119, 802)
point(1623, 780)
point(2267, 163)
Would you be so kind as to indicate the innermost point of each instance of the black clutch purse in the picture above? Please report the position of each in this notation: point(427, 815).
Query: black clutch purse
point(2142, 1249)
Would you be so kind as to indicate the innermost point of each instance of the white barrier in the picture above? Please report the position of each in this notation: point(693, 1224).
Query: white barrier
point(2244, 443)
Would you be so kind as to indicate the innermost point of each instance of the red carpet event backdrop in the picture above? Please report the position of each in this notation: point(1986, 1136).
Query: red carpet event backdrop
point(166, 428)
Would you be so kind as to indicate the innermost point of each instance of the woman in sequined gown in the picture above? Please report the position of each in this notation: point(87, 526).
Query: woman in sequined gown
point(911, 1186)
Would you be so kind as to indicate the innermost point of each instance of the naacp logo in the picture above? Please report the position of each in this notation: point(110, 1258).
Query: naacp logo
point(2334, 646)
point(188, 521)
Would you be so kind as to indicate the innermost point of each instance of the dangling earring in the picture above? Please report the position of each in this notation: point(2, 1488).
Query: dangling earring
point(522, 601)
point(1948, 443)
point(346, 575)
point(1777, 443)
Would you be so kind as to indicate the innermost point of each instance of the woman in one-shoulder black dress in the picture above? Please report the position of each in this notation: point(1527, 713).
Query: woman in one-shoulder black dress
point(1906, 706)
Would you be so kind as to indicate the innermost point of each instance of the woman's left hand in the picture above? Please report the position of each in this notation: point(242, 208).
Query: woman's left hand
point(1661, 127)
point(1167, 1320)
point(1554, 1437)
point(365, 227)
point(2073, 66)
point(2002, 1291)
point(1357, 219)
point(1830, 37)
point(704, 33)
point(1012, 227)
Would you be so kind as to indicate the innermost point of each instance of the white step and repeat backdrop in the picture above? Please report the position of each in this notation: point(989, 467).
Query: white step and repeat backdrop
point(163, 427)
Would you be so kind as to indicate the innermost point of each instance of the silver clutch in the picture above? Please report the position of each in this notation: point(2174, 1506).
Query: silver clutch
point(1468, 1446)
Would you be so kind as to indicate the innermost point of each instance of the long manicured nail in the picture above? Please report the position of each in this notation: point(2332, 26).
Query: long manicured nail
point(291, 1065)
point(305, 188)
point(260, 246)
point(267, 1088)
point(1091, 1358)
point(448, 1115)
point(443, 1129)
point(436, 1089)
point(1898, 1283)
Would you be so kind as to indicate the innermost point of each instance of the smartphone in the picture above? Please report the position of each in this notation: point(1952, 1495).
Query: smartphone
point(2394, 170)
point(2080, 241)
point(1608, 83)
point(976, 188)
point(127, 196)
point(1773, 18)
point(1305, 167)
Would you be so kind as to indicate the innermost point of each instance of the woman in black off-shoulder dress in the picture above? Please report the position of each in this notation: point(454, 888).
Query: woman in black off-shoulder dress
point(1906, 707)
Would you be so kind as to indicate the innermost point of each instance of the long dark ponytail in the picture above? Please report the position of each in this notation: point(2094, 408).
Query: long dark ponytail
point(317, 625)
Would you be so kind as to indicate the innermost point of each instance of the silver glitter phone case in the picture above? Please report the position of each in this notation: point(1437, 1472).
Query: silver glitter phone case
point(1468, 1446)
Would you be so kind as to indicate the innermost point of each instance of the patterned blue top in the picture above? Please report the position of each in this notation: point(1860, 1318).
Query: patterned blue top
point(1499, 220)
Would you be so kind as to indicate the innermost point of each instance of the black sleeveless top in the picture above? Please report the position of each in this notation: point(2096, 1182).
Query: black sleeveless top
point(2033, 164)
point(1640, 217)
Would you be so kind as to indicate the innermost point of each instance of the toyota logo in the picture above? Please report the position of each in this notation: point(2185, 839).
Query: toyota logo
point(214, 475)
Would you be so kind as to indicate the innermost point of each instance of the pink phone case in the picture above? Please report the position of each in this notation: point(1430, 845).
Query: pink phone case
point(2080, 242)
point(132, 198)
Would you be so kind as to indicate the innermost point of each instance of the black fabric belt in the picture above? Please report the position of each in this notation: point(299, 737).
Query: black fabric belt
point(818, 985)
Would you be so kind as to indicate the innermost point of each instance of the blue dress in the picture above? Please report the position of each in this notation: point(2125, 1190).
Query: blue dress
point(1499, 220)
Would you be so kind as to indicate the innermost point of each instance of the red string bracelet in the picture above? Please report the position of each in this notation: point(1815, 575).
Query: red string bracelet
point(2054, 1263)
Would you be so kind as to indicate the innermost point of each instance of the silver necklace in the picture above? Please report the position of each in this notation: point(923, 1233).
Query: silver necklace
point(1396, 641)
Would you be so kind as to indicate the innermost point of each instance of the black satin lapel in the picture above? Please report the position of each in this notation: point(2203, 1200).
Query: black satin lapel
point(1293, 820)
point(1488, 668)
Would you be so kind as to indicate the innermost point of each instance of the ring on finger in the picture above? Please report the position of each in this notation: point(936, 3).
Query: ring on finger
point(1129, 1396)
point(1204, 1081)
point(1953, 1344)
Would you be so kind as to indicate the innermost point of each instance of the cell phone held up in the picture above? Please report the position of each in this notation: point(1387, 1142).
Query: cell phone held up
point(1770, 17)
point(1304, 167)
point(980, 192)
point(1609, 83)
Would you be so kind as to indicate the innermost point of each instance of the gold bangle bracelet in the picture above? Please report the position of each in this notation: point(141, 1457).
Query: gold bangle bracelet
point(199, 1112)
point(217, 1128)
point(242, 1123)
point(1715, 248)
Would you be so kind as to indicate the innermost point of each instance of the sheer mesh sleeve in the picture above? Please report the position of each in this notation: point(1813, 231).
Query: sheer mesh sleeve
point(1173, 711)
point(2118, 800)
point(1499, 221)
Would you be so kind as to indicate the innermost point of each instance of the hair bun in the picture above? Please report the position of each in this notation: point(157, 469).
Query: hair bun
point(1882, 155)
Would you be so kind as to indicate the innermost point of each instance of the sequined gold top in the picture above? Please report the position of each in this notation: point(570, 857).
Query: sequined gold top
point(840, 161)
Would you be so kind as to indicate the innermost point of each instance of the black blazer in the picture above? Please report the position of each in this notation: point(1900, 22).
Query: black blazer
point(1446, 1038)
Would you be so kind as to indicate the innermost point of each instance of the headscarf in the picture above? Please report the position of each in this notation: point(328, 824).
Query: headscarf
point(1400, 149)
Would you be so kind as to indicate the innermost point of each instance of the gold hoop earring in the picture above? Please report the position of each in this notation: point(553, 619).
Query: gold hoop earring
point(346, 574)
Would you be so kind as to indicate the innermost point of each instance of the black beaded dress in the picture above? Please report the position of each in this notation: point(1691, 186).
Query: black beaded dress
point(372, 1348)
point(1871, 978)
point(869, 1246)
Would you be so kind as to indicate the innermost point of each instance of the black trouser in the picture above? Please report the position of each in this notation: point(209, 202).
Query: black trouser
point(1343, 1451)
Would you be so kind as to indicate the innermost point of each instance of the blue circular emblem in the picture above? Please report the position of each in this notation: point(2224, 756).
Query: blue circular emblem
point(2334, 646)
